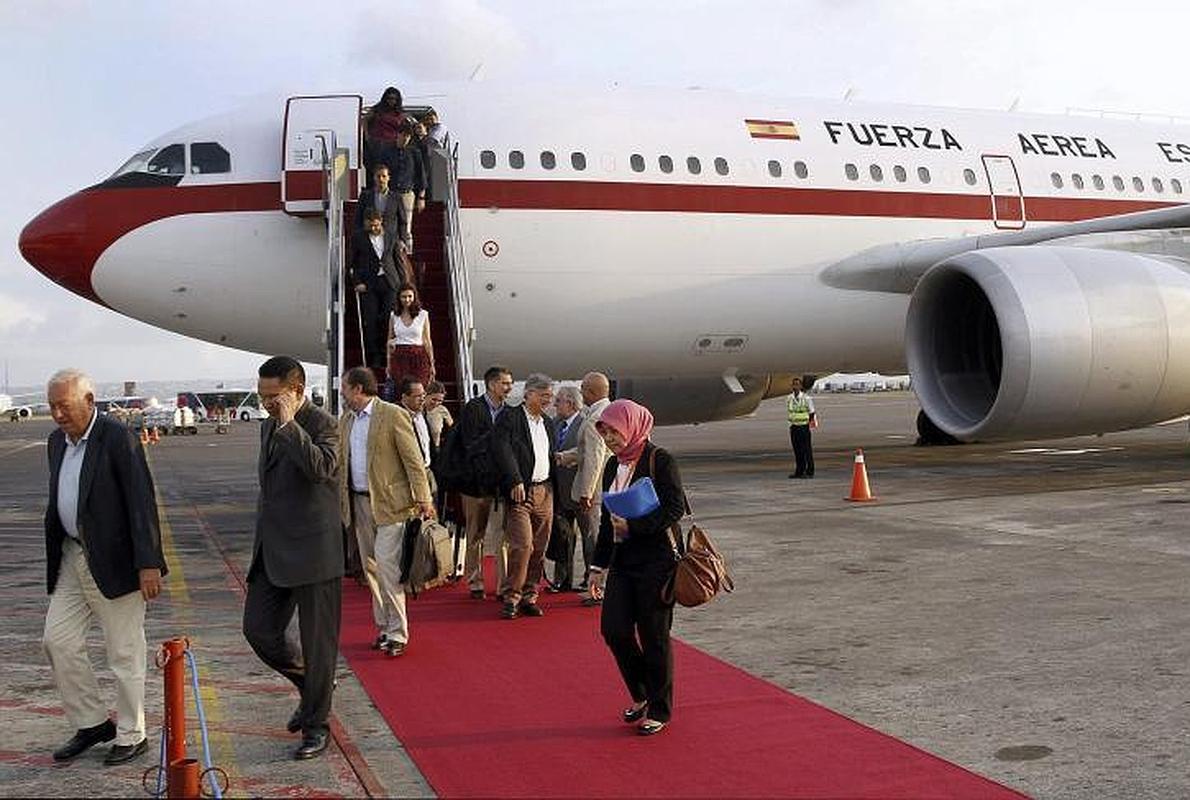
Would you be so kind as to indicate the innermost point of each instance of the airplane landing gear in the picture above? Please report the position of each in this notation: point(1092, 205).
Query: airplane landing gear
point(930, 435)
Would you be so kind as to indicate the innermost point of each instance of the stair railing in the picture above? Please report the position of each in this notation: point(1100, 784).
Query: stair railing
point(460, 286)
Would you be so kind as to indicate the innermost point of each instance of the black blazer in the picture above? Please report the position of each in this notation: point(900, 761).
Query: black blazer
point(298, 529)
point(390, 214)
point(117, 510)
point(474, 432)
point(512, 449)
point(648, 541)
point(366, 267)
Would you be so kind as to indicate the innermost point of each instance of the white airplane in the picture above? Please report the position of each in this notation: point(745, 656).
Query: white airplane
point(701, 247)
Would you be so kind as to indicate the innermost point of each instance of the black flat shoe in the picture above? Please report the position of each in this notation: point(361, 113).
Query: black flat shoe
point(632, 713)
point(126, 752)
point(477, 594)
point(84, 739)
point(530, 610)
point(295, 721)
point(313, 745)
point(508, 611)
point(650, 727)
point(378, 642)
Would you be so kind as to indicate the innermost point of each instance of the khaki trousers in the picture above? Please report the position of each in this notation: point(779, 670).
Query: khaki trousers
point(75, 604)
point(405, 219)
point(527, 531)
point(380, 555)
point(477, 512)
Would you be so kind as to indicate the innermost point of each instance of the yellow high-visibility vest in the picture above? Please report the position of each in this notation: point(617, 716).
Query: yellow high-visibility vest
point(798, 407)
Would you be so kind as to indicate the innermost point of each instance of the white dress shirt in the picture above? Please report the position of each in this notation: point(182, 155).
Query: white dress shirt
point(358, 454)
point(423, 434)
point(541, 448)
point(68, 480)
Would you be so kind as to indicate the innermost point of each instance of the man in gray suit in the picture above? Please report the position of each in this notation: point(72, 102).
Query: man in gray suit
point(569, 405)
point(297, 558)
point(588, 458)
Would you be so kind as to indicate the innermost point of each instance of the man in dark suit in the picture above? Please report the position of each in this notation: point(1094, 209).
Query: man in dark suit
point(379, 197)
point(297, 558)
point(375, 274)
point(568, 421)
point(103, 562)
point(523, 447)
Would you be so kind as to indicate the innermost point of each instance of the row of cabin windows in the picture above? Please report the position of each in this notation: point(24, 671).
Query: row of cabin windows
point(665, 164)
point(1138, 183)
point(900, 174)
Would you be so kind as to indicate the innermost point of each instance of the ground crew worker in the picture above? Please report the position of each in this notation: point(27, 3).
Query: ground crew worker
point(802, 418)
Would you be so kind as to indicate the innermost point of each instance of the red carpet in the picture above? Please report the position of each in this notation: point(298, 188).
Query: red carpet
point(528, 708)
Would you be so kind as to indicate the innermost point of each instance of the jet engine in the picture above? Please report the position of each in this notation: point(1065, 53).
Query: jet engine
point(682, 401)
point(1040, 341)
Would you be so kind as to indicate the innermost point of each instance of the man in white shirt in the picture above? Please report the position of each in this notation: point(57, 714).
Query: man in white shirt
point(523, 446)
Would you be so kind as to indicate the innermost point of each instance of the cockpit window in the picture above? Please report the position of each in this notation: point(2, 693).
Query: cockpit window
point(208, 157)
point(170, 160)
point(138, 163)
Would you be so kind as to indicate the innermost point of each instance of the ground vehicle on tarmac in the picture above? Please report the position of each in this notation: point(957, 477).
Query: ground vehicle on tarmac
point(241, 404)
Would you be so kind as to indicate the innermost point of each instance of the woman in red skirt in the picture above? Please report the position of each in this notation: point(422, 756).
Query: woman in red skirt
point(410, 350)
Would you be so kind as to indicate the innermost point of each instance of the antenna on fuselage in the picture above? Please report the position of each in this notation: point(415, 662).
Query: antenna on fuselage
point(850, 93)
point(475, 72)
point(1015, 104)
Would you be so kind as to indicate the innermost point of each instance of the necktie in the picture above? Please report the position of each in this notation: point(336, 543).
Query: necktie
point(562, 432)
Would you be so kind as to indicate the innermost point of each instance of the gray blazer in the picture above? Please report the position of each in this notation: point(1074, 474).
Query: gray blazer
point(566, 474)
point(298, 531)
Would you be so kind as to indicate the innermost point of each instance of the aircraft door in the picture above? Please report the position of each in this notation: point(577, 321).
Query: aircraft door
point(308, 123)
point(1008, 204)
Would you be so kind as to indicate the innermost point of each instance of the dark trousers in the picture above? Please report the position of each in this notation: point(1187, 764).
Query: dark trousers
point(374, 310)
point(635, 624)
point(564, 530)
point(267, 612)
point(803, 451)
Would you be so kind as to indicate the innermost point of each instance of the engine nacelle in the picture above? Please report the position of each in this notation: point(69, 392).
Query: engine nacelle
point(1032, 342)
point(681, 401)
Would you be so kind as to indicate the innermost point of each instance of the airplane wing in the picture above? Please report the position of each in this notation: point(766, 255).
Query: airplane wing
point(898, 267)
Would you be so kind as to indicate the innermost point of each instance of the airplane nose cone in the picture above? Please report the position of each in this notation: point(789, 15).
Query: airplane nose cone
point(58, 244)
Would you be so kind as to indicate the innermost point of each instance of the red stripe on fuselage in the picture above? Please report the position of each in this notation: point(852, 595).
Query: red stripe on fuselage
point(66, 240)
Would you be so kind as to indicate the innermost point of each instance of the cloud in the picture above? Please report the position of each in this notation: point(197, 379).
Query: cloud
point(437, 41)
point(18, 317)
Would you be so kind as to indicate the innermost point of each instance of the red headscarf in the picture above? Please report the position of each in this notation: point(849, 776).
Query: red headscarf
point(632, 421)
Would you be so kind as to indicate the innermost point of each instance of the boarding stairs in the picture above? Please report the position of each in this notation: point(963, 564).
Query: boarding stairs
point(326, 137)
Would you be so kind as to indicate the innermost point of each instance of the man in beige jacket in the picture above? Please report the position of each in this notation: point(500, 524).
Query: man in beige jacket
point(382, 485)
point(589, 458)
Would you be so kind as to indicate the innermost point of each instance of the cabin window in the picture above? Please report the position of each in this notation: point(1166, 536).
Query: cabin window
point(169, 160)
point(1097, 182)
point(1176, 185)
point(1056, 180)
point(548, 160)
point(923, 174)
point(1158, 186)
point(1138, 184)
point(578, 161)
point(876, 172)
point(775, 169)
point(1117, 182)
point(721, 166)
point(693, 165)
point(665, 164)
point(900, 174)
point(1077, 181)
point(516, 159)
point(800, 169)
point(969, 176)
point(638, 162)
point(851, 171)
point(487, 159)
point(207, 158)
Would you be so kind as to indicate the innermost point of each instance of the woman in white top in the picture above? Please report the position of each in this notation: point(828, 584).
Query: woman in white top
point(410, 350)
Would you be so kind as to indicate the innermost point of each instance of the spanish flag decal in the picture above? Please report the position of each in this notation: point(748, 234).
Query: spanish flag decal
point(772, 129)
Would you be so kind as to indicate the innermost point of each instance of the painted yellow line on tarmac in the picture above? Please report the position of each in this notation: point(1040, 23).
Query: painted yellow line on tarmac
point(222, 749)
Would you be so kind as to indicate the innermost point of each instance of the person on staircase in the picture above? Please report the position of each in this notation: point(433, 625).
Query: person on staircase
point(408, 181)
point(381, 124)
point(375, 273)
point(410, 348)
point(379, 197)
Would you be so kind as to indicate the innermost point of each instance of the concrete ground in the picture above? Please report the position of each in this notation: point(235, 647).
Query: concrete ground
point(1017, 609)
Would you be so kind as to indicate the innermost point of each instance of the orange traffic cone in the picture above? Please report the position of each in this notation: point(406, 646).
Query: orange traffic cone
point(860, 491)
point(144, 436)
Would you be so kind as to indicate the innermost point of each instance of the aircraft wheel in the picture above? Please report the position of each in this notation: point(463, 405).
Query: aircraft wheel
point(930, 435)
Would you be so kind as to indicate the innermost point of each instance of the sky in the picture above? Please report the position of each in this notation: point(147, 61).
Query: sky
point(84, 84)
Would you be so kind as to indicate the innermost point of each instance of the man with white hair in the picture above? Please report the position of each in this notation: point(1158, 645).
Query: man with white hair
point(588, 458)
point(568, 402)
point(103, 563)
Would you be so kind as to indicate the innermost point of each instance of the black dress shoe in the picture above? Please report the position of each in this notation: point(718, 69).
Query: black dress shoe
point(85, 738)
point(313, 744)
point(378, 643)
point(295, 722)
point(126, 752)
point(509, 611)
point(477, 594)
point(633, 713)
point(394, 648)
point(531, 610)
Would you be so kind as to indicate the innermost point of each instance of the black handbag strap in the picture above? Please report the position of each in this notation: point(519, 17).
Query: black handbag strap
point(679, 543)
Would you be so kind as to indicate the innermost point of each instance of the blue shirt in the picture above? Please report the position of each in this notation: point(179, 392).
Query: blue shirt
point(68, 480)
point(493, 409)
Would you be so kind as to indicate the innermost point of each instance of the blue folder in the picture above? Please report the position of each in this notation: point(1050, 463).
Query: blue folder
point(636, 501)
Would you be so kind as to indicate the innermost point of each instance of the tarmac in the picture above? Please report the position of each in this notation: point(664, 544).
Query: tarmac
point(1018, 609)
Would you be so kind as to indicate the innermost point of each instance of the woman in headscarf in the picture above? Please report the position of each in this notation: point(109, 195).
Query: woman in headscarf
point(637, 556)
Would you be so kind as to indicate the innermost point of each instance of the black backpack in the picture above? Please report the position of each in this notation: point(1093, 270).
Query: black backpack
point(450, 467)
